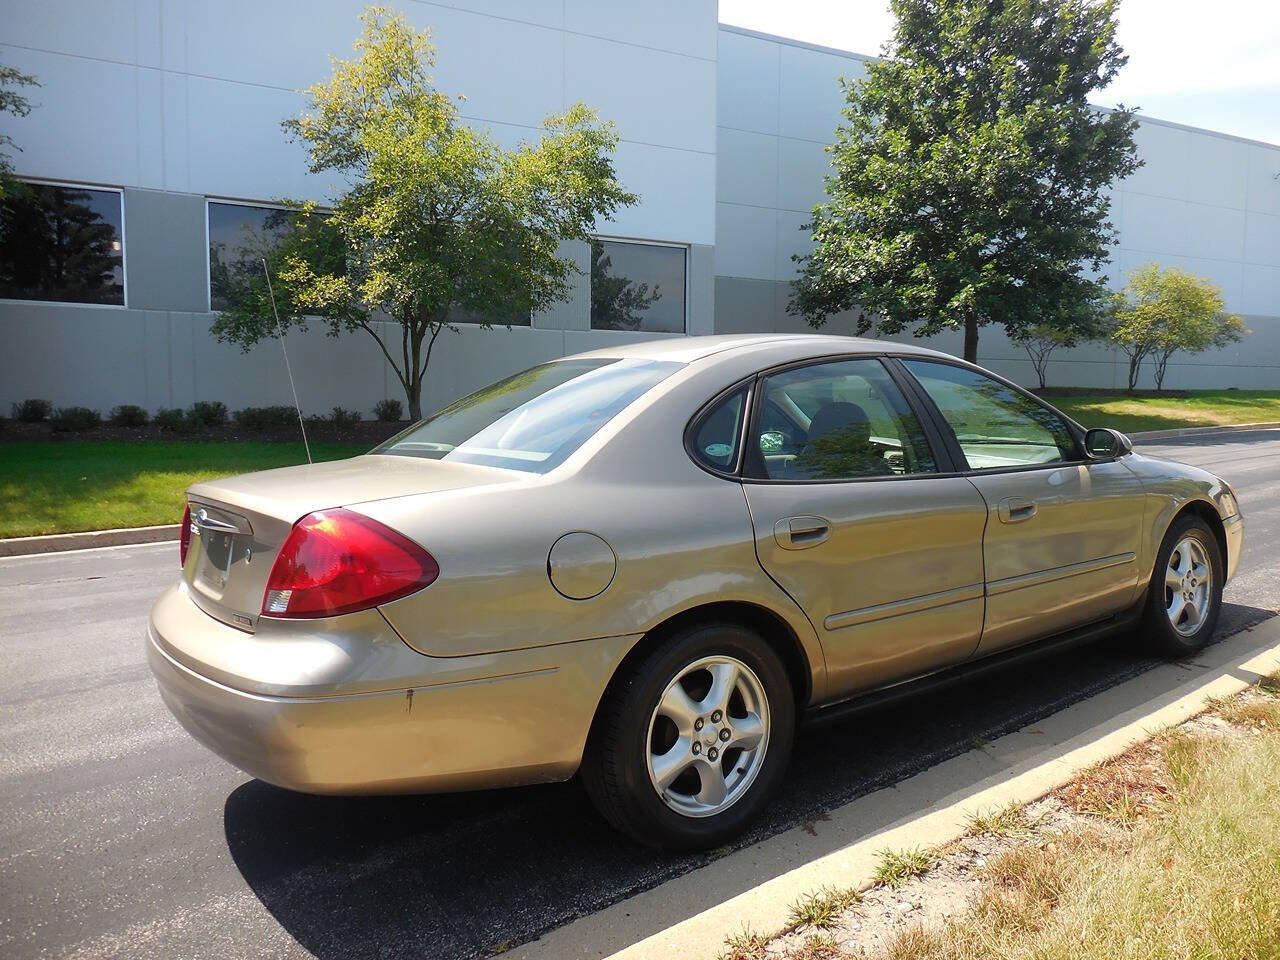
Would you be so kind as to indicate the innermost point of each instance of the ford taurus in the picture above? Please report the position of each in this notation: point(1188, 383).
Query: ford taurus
point(646, 564)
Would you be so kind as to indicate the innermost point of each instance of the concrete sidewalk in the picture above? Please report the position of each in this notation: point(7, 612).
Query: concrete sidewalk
point(689, 917)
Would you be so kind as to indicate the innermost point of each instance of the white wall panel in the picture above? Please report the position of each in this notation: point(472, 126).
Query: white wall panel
point(792, 240)
point(1262, 238)
point(803, 166)
point(85, 125)
point(1263, 187)
point(687, 27)
point(509, 72)
point(175, 155)
point(1161, 225)
point(654, 97)
point(747, 87)
point(548, 13)
point(810, 97)
point(105, 29)
point(1261, 292)
point(1188, 165)
point(237, 148)
point(282, 43)
point(746, 241)
point(747, 167)
point(677, 192)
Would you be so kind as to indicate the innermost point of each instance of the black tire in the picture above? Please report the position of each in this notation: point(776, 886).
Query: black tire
point(615, 769)
point(1158, 632)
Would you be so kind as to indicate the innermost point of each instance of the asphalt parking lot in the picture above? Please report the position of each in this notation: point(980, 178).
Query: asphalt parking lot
point(122, 837)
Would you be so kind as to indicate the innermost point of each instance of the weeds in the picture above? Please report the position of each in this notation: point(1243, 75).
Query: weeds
point(898, 866)
point(819, 910)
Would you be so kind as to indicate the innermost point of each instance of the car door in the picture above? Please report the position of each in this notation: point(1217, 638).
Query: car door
point(859, 517)
point(1063, 533)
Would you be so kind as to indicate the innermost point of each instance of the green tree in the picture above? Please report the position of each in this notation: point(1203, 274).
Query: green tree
point(15, 103)
point(969, 174)
point(1041, 339)
point(436, 220)
point(1163, 311)
point(616, 301)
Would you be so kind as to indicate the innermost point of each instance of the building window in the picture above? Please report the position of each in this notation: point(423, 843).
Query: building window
point(62, 243)
point(240, 237)
point(637, 286)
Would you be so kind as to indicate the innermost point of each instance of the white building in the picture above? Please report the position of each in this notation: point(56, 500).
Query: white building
point(167, 112)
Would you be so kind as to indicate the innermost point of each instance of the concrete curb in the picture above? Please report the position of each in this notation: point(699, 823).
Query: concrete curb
point(27, 546)
point(1197, 431)
point(690, 916)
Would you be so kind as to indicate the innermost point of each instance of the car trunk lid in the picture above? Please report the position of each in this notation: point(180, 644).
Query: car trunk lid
point(238, 524)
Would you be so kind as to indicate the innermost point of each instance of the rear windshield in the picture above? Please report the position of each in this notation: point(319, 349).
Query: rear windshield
point(534, 420)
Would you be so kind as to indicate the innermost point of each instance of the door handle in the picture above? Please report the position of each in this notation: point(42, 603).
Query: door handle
point(796, 533)
point(1016, 509)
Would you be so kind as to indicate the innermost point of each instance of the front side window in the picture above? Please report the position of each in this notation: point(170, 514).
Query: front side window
point(63, 244)
point(637, 286)
point(995, 425)
point(843, 420)
point(534, 420)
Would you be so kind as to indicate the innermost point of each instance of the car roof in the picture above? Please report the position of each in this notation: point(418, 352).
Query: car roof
point(689, 349)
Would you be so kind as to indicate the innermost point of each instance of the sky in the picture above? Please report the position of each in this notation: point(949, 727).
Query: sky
point(1206, 63)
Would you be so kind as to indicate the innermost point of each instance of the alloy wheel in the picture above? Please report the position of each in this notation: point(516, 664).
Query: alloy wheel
point(707, 736)
point(1188, 582)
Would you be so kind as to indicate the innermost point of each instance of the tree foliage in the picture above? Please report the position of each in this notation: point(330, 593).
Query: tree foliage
point(970, 172)
point(13, 102)
point(1161, 312)
point(438, 220)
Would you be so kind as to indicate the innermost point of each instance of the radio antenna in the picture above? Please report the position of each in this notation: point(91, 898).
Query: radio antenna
point(289, 370)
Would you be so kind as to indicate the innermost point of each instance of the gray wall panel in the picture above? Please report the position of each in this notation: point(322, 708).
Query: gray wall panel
point(168, 259)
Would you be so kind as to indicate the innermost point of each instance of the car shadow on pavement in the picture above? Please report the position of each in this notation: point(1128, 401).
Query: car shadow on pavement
point(468, 875)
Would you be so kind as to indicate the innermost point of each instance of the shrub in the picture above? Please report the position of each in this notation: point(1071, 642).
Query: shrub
point(389, 410)
point(208, 413)
point(70, 419)
point(345, 418)
point(32, 411)
point(264, 418)
point(129, 415)
point(174, 420)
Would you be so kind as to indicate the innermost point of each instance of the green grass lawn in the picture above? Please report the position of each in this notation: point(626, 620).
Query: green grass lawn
point(97, 485)
point(1203, 408)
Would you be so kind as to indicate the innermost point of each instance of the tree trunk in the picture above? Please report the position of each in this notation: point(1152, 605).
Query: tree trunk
point(1135, 362)
point(413, 393)
point(971, 339)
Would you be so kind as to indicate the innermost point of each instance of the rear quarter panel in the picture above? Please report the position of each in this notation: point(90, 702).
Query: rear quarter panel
point(682, 538)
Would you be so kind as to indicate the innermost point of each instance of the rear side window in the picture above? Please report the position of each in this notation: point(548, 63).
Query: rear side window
point(534, 420)
point(717, 434)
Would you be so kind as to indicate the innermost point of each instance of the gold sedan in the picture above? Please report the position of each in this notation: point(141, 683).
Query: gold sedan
point(647, 563)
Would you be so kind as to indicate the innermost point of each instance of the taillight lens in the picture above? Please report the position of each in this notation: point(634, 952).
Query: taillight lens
point(184, 536)
point(339, 561)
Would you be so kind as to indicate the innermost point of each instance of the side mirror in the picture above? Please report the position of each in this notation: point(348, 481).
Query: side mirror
point(1103, 443)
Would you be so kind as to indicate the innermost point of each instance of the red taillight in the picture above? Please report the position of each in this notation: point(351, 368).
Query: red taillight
point(338, 561)
point(184, 537)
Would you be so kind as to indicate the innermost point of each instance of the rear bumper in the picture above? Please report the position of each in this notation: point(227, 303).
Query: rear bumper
point(1234, 527)
point(450, 724)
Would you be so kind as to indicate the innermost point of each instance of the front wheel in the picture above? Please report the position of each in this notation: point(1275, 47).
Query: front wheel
point(1185, 597)
point(694, 739)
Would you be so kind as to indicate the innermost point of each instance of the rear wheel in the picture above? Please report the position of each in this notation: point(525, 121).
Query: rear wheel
point(1185, 597)
point(694, 739)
